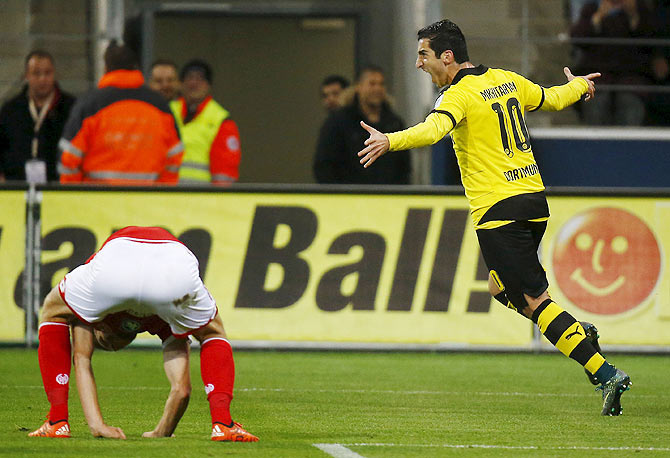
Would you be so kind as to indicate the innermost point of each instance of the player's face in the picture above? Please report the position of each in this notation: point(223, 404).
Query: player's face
point(164, 80)
point(431, 64)
point(330, 96)
point(371, 89)
point(110, 341)
point(40, 76)
point(195, 87)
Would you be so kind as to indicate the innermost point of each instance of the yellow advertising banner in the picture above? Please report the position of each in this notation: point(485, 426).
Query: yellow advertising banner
point(369, 268)
point(607, 262)
point(309, 267)
point(12, 259)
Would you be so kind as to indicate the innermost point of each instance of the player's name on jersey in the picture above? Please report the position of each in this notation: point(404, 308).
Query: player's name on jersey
point(498, 91)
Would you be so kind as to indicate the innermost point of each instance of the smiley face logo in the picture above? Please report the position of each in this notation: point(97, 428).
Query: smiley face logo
point(606, 260)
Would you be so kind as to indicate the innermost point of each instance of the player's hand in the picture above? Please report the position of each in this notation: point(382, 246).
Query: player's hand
point(375, 146)
point(110, 432)
point(154, 434)
point(591, 92)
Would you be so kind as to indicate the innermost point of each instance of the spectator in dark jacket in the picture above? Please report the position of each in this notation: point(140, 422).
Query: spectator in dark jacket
point(619, 63)
point(341, 137)
point(658, 105)
point(32, 122)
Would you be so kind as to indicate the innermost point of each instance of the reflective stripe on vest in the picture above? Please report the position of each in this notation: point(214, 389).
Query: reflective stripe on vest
point(65, 145)
point(62, 170)
point(198, 136)
point(176, 149)
point(113, 175)
point(222, 177)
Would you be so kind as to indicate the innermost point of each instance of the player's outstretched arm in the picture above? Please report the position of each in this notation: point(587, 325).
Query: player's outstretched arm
point(88, 394)
point(375, 146)
point(556, 98)
point(588, 78)
point(176, 365)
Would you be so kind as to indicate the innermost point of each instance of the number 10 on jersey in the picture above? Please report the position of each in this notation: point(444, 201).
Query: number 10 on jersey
point(517, 124)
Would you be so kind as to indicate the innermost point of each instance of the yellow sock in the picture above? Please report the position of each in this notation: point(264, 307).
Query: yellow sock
point(567, 334)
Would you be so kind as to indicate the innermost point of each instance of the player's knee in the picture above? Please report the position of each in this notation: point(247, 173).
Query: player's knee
point(534, 302)
point(182, 392)
point(213, 329)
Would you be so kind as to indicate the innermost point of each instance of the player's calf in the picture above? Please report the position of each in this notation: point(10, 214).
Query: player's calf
point(54, 354)
point(592, 335)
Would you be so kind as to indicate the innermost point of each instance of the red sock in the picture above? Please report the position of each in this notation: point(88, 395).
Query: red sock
point(54, 354)
point(217, 369)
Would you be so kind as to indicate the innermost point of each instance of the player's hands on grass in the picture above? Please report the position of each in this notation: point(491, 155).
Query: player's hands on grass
point(110, 432)
point(588, 78)
point(375, 146)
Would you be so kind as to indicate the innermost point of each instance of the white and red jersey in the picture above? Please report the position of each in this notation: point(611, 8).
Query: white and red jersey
point(144, 234)
point(142, 271)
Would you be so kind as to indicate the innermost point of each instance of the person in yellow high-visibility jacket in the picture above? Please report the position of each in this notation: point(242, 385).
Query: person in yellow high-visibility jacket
point(211, 138)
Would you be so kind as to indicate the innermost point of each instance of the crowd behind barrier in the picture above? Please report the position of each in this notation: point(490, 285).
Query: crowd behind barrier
point(341, 136)
point(121, 133)
point(628, 41)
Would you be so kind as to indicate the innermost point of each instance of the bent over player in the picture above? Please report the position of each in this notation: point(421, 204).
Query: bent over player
point(142, 271)
point(483, 110)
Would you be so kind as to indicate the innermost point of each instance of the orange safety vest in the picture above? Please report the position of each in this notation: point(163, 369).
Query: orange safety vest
point(122, 133)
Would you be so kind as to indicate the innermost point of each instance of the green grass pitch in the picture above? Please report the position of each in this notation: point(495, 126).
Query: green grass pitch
point(363, 404)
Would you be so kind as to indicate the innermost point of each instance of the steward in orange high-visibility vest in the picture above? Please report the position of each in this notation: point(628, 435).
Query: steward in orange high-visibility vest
point(122, 133)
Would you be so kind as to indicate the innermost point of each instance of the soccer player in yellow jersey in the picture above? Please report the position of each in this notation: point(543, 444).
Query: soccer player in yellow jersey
point(483, 110)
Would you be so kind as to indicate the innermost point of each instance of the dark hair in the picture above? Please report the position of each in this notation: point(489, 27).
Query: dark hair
point(197, 65)
point(161, 62)
point(445, 35)
point(333, 79)
point(368, 69)
point(119, 57)
point(41, 53)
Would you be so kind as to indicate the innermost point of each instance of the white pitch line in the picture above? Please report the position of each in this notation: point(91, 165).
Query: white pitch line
point(450, 393)
point(337, 451)
point(362, 391)
point(493, 446)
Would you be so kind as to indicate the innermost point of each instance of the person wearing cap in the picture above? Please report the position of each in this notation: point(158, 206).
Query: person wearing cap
point(211, 138)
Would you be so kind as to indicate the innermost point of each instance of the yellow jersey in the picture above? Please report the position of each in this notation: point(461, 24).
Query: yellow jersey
point(483, 109)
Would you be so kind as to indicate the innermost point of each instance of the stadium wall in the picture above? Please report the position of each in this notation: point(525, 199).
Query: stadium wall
point(606, 157)
point(335, 267)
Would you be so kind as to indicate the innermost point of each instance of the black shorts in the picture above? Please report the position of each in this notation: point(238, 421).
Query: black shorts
point(511, 251)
